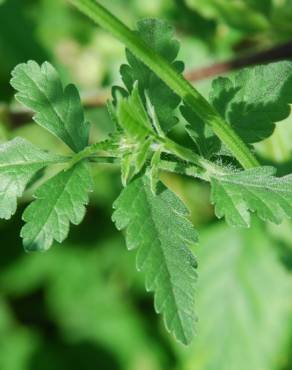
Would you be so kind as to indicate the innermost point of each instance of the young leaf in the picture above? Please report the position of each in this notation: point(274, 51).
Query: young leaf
point(157, 225)
point(159, 35)
point(126, 168)
point(140, 157)
point(154, 171)
point(57, 109)
point(235, 195)
point(133, 117)
point(58, 202)
point(133, 160)
point(255, 99)
point(19, 162)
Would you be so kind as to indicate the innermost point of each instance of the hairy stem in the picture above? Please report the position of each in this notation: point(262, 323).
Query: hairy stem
point(183, 169)
point(91, 151)
point(191, 157)
point(173, 79)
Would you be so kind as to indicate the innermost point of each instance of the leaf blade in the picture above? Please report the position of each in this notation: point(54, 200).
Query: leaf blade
point(19, 162)
point(59, 202)
point(158, 34)
point(56, 109)
point(166, 259)
point(255, 99)
point(237, 194)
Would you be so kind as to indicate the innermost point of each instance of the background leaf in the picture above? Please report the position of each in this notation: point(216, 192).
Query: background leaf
point(244, 302)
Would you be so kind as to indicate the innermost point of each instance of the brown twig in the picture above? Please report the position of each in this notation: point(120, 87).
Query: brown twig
point(283, 51)
point(18, 116)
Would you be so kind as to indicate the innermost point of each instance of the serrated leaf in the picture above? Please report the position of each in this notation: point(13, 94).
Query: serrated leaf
point(255, 99)
point(56, 109)
point(19, 162)
point(243, 302)
point(237, 194)
point(59, 201)
point(158, 35)
point(158, 227)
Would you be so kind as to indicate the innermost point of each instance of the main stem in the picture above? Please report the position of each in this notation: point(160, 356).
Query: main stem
point(173, 79)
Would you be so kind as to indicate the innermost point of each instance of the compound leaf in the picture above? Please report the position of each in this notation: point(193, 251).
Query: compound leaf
point(19, 162)
point(235, 195)
point(57, 109)
point(159, 35)
point(59, 201)
point(157, 225)
point(255, 99)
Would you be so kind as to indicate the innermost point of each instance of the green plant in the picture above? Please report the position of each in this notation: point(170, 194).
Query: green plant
point(241, 112)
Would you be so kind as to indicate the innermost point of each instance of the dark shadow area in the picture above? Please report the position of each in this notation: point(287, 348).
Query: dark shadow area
point(60, 355)
point(31, 310)
point(18, 42)
point(96, 227)
point(11, 246)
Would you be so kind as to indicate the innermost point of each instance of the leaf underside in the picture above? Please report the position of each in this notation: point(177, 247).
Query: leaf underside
point(19, 162)
point(158, 227)
point(257, 190)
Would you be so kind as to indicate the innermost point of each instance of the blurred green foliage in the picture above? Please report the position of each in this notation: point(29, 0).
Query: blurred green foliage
point(82, 305)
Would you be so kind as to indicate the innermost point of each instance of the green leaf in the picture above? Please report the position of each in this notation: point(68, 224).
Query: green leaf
point(240, 15)
point(126, 168)
point(255, 99)
point(243, 302)
point(237, 194)
point(159, 35)
point(57, 109)
point(157, 225)
point(141, 156)
point(19, 162)
point(136, 143)
point(133, 161)
point(133, 117)
point(58, 202)
point(207, 143)
point(154, 171)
